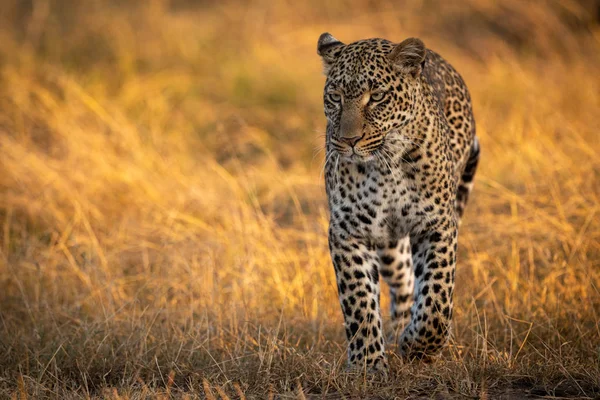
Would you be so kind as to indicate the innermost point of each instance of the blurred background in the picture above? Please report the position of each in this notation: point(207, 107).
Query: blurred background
point(164, 218)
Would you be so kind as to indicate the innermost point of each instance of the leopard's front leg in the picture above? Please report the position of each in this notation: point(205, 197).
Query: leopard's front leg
point(357, 275)
point(434, 259)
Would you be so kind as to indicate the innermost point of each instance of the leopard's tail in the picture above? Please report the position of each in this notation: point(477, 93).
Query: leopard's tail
point(466, 180)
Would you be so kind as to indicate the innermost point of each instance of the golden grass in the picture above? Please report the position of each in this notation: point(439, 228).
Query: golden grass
point(164, 221)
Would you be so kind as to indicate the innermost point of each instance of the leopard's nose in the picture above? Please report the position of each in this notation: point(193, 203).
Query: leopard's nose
point(351, 141)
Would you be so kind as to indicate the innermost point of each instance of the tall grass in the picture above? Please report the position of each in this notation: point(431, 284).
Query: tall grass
point(164, 219)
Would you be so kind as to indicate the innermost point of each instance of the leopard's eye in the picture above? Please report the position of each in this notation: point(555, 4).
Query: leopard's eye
point(335, 97)
point(377, 96)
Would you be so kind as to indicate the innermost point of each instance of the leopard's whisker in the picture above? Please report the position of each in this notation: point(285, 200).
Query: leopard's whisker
point(327, 159)
point(337, 171)
point(317, 151)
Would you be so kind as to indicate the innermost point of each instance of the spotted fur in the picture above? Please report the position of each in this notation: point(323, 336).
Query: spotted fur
point(401, 157)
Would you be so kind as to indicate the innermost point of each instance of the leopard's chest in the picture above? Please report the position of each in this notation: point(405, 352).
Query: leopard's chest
point(373, 204)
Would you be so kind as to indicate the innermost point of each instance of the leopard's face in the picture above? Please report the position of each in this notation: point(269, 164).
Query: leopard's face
point(369, 97)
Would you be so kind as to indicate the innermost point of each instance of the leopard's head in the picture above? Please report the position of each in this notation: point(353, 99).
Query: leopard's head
point(370, 93)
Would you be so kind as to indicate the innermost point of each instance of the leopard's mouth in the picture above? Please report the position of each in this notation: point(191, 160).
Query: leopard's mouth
point(388, 147)
point(365, 150)
point(362, 158)
point(357, 156)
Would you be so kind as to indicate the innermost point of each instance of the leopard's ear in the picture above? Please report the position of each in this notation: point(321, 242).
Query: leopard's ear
point(329, 48)
point(408, 56)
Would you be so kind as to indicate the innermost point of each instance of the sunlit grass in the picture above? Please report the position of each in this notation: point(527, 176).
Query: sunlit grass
point(164, 219)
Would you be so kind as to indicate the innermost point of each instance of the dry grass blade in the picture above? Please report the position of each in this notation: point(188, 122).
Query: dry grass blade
point(222, 393)
point(239, 391)
point(207, 390)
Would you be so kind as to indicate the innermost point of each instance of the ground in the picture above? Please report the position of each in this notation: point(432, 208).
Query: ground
point(164, 218)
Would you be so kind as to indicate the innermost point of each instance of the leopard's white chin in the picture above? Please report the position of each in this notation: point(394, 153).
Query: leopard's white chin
point(354, 157)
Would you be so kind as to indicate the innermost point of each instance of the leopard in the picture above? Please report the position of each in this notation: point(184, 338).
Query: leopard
point(401, 153)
